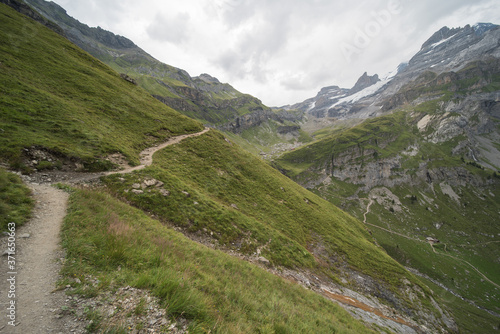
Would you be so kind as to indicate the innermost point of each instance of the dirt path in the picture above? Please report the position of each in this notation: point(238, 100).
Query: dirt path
point(35, 270)
point(432, 246)
point(36, 267)
point(379, 227)
point(146, 156)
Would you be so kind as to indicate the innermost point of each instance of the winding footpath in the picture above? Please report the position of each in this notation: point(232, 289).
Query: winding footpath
point(419, 240)
point(379, 227)
point(38, 256)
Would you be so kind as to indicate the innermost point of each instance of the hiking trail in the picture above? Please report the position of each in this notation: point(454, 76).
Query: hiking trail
point(38, 255)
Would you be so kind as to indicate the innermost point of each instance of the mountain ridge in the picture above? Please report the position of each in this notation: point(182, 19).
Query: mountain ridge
point(62, 103)
point(436, 54)
point(209, 101)
point(417, 159)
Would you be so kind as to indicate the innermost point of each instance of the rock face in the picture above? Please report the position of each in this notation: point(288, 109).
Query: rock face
point(22, 8)
point(336, 102)
point(451, 88)
point(471, 122)
point(451, 49)
point(319, 106)
point(257, 117)
point(447, 50)
point(363, 82)
point(207, 78)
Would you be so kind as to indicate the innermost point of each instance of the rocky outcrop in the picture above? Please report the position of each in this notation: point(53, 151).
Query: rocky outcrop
point(363, 82)
point(288, 129)
point(257, 117)
point(23, 8)
point(319, 105)
point(475, 76)
point(128, 78)
point(207, 78)
point(473, 120)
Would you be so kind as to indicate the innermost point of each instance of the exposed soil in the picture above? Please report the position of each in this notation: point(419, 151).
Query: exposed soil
point(37, 264)
point(356, 303)
point(37, 258)
point(42, 309)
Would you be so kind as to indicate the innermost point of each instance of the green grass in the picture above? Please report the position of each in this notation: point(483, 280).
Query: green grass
point(373, 139)
point(56, 96)
point(424, 210)
point(245, 204)
point(467, 230)
point(210, 102)
point(15, 200)
point(217, 293)
point(468, 317)
point(464, 241)
point(461, 241)
point(261, 138)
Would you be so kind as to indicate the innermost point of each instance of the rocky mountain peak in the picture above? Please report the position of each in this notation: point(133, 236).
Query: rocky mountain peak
point(440, 35)
point(481, 28)
point(207, 78)
point(76, 31)
point(364, 81)
point(451, 49)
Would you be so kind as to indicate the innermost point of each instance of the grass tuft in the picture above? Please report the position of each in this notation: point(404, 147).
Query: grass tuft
point(16, 203)
point(217, 293)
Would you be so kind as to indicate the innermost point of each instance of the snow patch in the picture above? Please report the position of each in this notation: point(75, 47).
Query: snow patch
point(336, 97)
point(368, 90)
point(361, 94)
point(432, 46)
point(311, 107)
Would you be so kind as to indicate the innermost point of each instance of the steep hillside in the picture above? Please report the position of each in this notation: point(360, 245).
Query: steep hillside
point(423, 171)
point(202, 97)
point(61, 108)
point(200, 289)
point(229, 199)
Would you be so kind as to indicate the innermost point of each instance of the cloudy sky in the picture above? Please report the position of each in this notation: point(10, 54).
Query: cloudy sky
point(281, 51)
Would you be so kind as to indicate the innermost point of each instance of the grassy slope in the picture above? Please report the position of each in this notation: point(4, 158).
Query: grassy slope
point(460, 241)
point(57, 96)
point(265, 136)
point(15, 200)
point(216, 292)
point(212, 103)
point(246, 204)
point(464, 241)
point(73, 104)
point(156, 77)
point(160, 79)
point(371, 135)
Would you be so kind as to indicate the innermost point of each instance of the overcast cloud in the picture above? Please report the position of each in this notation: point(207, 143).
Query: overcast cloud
point(281, 51)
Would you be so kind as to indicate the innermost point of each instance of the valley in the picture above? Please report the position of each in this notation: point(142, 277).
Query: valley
point(369, 209)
